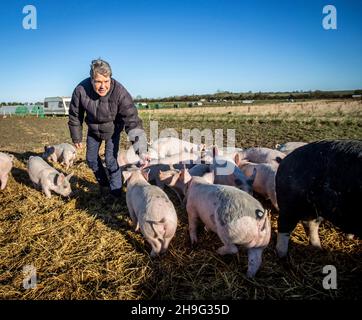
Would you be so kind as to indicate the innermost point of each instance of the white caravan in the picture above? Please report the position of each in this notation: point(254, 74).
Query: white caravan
point(57, 105)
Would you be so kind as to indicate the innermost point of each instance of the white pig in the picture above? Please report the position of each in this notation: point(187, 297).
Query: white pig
point(6, 163)
point(150, 209)
point(44, 176)
point(235, 216)
point(169, 146)
point(262, 155)
point(64, 153)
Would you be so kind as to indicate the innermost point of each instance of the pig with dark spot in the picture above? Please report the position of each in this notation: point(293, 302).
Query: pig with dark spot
point(6, 163)
point(44, 176)
point(235, 216)
point(63, 153)
point(150, 209)
point(320, 180)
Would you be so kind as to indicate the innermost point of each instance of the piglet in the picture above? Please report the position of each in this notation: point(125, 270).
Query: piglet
point(150, 209)
point(44, 176)
point(235, 216)
point(64, 153)
point(168, 146)
point(6, 163)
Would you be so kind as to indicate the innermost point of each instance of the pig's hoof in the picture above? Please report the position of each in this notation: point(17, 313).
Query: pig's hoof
point(282, 255)
point(193, 240)
point(316, 244)
point(155, 253)
point(227, 250)
point(250, 274)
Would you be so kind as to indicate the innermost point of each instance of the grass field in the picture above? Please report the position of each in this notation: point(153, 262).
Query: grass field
point(84, 247)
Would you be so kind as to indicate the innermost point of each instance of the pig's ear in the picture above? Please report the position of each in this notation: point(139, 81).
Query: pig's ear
point(185, 176)
point(239, 161)
point(162, 175)
point(59, 179)
point(146, 173)
point(69, 176)
point(126, 175)
point(174, 179)
point(250, 180)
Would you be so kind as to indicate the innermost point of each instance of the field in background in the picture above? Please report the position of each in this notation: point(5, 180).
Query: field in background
point(85, 247)
point(309, 108)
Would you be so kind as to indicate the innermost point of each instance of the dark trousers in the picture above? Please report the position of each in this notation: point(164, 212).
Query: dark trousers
point(95, 163)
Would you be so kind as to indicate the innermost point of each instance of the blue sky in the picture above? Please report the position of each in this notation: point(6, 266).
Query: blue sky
point(161, 48)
